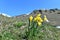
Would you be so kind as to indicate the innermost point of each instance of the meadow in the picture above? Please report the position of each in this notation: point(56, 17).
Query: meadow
point(36, 29)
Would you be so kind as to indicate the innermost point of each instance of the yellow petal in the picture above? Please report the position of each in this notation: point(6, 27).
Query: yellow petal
point(35, 19)
point(39, 19)
point(45, 18)
point(30, 18)
point(39, 23)
point(39, 15)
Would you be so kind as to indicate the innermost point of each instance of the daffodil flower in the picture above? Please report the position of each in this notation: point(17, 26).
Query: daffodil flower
point(39, 15)
point(39, 19)
point(35, 19)
point(39, 23)
point(45, 18)
point(30, 18)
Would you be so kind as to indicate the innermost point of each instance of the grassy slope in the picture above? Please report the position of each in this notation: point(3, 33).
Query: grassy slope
point(46, 32)
point(9, 32)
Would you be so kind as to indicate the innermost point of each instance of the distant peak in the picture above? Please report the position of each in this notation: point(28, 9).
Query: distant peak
point(5, 14)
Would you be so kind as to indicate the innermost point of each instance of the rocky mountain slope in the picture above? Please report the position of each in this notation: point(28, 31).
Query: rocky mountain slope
point(53, 16)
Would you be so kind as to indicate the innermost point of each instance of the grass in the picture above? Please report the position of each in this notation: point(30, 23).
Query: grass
point(45, 32)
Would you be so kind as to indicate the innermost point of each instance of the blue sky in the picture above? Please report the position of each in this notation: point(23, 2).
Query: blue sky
point(18, 7)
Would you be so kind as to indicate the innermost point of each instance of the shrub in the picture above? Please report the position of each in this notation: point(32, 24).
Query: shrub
point(58, 13)
point(19, 24)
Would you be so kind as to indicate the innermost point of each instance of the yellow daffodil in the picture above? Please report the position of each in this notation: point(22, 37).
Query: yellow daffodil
point(35, 19)
point(39, 19)
point(30, 18)
point(39, 15)
point(45, 18)
point(39, 23)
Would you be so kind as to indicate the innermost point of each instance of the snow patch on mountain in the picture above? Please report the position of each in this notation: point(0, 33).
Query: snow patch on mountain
point(5, 14)
point(27, 13)
point(57, 26)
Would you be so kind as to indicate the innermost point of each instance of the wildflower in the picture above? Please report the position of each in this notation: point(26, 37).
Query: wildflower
point(39, 23)
point(39, 15)
point(39, 19)
point(30, 18)
point(35, 19)
point(45, 18)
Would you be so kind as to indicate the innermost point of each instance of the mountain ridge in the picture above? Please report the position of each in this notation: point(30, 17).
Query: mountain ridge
point(53, 16)
point(4, 14)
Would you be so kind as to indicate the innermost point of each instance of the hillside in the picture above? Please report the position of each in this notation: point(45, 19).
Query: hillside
point(53, 15)
point(11, 28)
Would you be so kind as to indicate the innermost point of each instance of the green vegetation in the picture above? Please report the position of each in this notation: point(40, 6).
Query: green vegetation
point(10, 28)
point(44, 32)
point(19, 24)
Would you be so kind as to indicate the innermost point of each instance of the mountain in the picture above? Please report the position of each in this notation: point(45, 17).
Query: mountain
point(53, 16)
point(14, 29)
point(5, 14)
